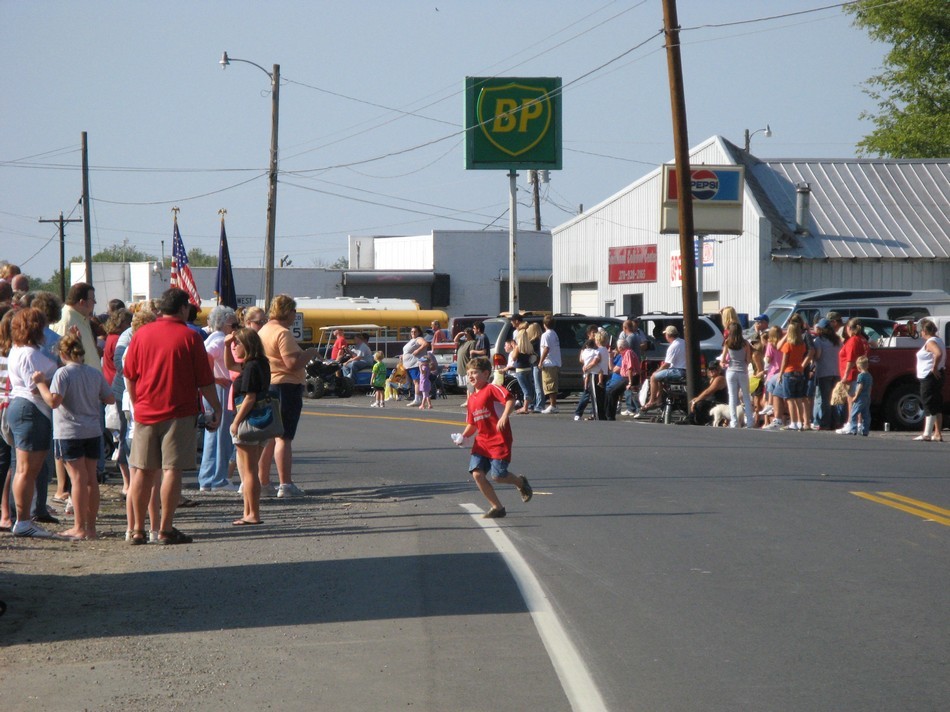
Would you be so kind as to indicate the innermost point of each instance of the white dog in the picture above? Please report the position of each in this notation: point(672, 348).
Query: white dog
point(720, 415)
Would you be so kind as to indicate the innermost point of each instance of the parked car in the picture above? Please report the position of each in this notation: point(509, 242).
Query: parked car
point(709, 334)
point(892, 304)
point(571, 330)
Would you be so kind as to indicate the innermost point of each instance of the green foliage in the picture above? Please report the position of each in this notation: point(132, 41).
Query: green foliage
point(913, 91)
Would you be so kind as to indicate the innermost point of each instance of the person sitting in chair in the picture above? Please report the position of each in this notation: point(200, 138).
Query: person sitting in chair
point(716, 393)
point(362, 356)
point(673, 367)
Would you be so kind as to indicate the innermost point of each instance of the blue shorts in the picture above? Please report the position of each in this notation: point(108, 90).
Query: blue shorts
point(291, 403)
point(670, 374)
point(494, 468)
point(32, 430)
point(794, 385)
point(413, 373)
point(70, 450)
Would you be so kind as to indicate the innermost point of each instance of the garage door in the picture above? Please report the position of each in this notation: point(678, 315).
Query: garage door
point(582, 299)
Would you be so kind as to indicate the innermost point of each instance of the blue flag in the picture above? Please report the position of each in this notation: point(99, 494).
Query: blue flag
point(224, 281)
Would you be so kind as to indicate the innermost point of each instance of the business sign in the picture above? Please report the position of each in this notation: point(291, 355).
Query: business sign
point(717, 199)
point(512, 123)
point(636, 263)
point(676, 261)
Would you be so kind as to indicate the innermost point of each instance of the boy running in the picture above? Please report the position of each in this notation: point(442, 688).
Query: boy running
point(489, 408)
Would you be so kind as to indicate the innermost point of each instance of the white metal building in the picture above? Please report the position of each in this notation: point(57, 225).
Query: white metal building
point(872, 223)
point(466, 271)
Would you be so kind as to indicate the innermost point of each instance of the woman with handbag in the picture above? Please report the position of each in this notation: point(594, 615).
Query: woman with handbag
point(253, 404)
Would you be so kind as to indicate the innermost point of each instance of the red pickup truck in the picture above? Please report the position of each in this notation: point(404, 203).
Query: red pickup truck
point(895, 395)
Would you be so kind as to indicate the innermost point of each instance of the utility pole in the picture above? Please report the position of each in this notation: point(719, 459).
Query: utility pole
point(513, 242)
point(87, 228)
point(685, 203)
point(62, 250)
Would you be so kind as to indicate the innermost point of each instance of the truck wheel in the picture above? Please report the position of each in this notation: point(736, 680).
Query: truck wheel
point(903, 408)
point(316, 387)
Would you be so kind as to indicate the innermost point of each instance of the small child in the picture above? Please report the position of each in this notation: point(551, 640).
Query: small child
point(378, 380)
point(75, 394)
point(425, 383)
point(488, 411)
point(860, 401)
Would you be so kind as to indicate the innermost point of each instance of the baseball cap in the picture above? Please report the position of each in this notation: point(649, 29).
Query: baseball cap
point(671, 331)
point(833, 316)
point(761, 317)
point(823, 324)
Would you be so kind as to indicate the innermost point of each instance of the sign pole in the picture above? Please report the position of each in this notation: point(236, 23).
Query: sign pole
point(513, 242)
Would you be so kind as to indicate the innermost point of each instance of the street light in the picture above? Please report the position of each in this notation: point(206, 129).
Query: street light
point(272, 174)
point(748, 136)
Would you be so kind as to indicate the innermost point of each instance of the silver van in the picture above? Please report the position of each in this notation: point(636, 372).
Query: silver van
point(890, 304)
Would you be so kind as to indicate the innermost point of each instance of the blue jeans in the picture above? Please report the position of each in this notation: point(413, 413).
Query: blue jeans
point(539, 399)
point(217, 446)
point(526, 381)
point(861, 407)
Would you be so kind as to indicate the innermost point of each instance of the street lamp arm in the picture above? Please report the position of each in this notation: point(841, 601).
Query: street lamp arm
point(225, 61)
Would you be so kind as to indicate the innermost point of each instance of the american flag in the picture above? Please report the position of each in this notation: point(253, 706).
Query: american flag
point(181, 276)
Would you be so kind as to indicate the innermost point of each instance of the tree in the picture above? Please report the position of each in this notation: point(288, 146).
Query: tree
point(340, 263)
point(913, 91)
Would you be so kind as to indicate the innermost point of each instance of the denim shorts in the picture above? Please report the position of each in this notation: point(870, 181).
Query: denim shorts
point(670, 374)
point(495, 468)
point(70, 450)
point(32, 430)
point(794, 385)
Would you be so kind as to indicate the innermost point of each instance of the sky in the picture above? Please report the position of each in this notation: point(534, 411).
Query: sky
point(371, 111)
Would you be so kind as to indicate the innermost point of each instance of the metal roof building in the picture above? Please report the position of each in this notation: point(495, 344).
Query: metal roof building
point(807, 224)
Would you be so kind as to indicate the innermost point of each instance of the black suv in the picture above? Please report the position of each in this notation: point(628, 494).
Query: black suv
point(571, 330)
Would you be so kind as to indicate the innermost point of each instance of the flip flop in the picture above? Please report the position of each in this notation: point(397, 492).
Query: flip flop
point(244, 522)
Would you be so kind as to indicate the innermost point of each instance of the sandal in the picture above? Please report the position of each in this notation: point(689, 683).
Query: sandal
point(494, 513)
point(174, 537)
point(138, 537)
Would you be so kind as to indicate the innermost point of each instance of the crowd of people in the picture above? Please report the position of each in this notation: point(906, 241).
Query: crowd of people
point(75, 384)
point(72, 381)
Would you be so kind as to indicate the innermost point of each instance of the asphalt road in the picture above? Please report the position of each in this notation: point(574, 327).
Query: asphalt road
point(700, 568)
point(658, 568)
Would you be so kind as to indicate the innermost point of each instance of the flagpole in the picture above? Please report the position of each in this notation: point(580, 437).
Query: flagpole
point(222, 212)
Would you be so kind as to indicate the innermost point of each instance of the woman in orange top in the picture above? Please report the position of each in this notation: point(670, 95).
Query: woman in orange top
point(792, 375)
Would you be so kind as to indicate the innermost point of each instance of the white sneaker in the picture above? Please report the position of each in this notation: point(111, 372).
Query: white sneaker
point(153, 537)
point(767, 410)
point(774, 425)
point(268, 490)
point(577, 417)
point(30, 530)
point(290, 490)
point(846, 430)
point(550, 409)
point(627, 413)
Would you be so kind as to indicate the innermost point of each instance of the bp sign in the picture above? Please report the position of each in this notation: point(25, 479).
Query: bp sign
point(513, 123)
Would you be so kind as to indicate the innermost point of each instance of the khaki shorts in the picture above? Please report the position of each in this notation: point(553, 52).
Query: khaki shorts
point(549, 379)
point(168, 445)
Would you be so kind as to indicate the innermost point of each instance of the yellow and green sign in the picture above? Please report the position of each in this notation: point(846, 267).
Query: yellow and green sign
point(513, 123)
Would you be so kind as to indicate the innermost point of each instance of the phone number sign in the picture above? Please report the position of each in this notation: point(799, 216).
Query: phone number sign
point(635, 263)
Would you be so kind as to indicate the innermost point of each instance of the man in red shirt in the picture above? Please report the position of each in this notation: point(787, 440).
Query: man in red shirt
point(489, 408)
point(166, 365)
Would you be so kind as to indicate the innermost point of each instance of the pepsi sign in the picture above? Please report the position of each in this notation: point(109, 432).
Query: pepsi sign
point(716, 199)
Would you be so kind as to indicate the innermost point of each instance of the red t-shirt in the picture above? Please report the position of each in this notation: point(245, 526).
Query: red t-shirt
point(108, 355)
point(853, 348)
point(339, 346)
point(485, 407)
point(168, 362)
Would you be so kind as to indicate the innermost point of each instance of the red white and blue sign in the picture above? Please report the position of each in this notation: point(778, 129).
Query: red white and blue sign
point(716, 199)
point(716, 185)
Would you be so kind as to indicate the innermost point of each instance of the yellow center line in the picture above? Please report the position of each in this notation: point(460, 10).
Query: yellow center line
point(919, 509)
point(387, 417)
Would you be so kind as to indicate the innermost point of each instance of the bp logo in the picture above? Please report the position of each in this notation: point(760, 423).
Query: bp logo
point(514, 117)
point(704, 184)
